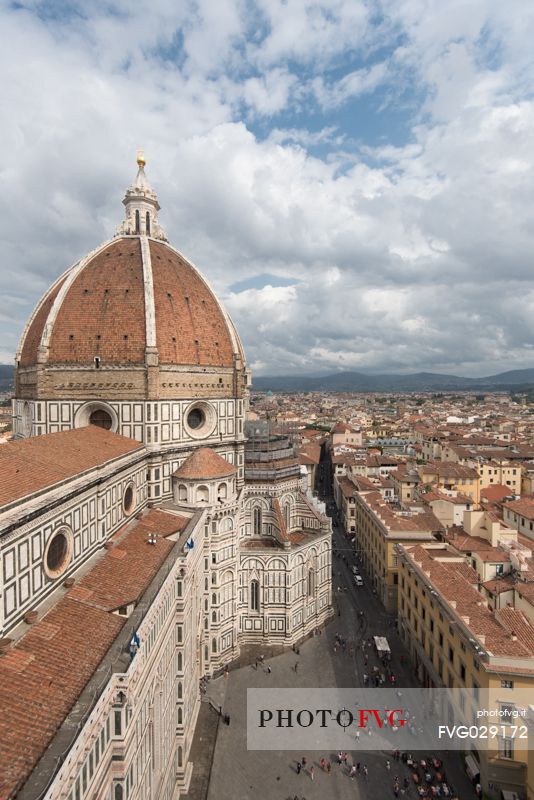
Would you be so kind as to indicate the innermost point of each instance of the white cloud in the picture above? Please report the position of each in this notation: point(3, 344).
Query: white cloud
point(405, 256)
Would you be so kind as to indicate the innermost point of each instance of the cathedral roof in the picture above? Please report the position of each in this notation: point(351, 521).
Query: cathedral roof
point(43, 674)
point(132, 301)
point(205, 464)
point(31, 465)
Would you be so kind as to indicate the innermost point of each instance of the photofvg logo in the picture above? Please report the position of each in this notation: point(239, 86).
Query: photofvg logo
point(377, 719)
point(362, 718)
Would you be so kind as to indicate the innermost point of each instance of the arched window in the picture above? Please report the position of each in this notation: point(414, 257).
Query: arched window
point(147, 223)
point(255, 595)
point(180, 715)
point(180, 662)
point(257, 521)
point(137, 223)
point(118, 792)
point(222, 491)
point(214, 616)
point(180, 757)
point(214, 645)
point(180, 691)
point(182, 492)
point(311, 582)
point(202, 494)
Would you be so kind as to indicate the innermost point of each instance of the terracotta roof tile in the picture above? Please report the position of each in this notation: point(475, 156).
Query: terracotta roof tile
point(119, 578)
point(31, 465)
point(190, 325)
point(103, 312)
point(204, 464)
point(43, 675)
point(104, 304)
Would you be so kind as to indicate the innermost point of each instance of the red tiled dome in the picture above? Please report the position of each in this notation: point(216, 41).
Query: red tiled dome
point(205, 464)
point(100, 307)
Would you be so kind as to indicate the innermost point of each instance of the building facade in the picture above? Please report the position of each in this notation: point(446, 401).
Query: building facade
point(141, 534)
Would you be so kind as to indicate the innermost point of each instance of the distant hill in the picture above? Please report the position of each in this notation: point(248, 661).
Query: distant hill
point(516, 379)
point(6, 377)
point(417, 382)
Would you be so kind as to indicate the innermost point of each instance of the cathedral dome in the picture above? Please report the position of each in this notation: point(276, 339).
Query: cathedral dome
point(127, 297)
point(124, 318)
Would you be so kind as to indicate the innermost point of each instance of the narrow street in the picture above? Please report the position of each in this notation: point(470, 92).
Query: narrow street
point(241, 774)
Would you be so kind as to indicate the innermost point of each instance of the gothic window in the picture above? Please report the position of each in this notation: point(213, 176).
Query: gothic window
point(257, 521)
point(255, 596)
point(137, 224)
point(311, 582)
point(147, 224)
point(214, 645)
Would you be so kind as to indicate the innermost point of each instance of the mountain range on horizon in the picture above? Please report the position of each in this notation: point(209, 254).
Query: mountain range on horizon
point(415, 382)
point(361, 382)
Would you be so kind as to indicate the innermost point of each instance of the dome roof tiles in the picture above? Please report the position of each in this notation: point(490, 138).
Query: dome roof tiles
point(99, 308)
point(205, 464)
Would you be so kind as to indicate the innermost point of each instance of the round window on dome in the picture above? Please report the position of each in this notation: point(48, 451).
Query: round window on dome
point(196, 418)
point(200, 420)
point(58, 553)
point(128, 501)
point(101, 419)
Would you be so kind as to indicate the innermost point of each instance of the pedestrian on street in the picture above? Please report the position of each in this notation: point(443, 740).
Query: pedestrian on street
point(366, 659)
point(365, 772)
point(323, 764)
point(388, 766)
point(340, 757)
point(303, 761)
point(329, 766)
point(269, 670)
point(312, 772)
point(365, 679)
point(352, 773)
point(296, 665)
point(299, 767)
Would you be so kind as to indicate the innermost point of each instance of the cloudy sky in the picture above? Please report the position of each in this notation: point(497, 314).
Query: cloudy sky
point(354, 178)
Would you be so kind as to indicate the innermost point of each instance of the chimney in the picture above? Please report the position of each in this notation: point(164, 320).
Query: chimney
point(452, 603)
point(513, 636)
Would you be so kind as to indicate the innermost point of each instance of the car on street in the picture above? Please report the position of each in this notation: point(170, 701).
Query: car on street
point(355, 571)
point(358, 580)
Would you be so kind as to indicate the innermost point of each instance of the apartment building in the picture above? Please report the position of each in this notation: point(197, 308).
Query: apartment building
point(380, 526)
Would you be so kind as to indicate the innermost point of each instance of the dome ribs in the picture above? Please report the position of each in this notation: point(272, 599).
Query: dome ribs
point(104, 305)
point(35, 330)
point(190, 326)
